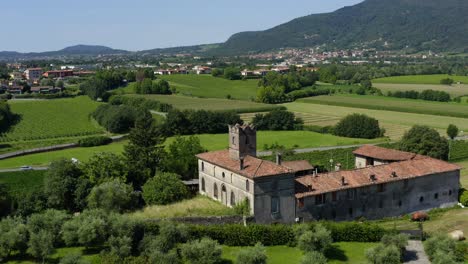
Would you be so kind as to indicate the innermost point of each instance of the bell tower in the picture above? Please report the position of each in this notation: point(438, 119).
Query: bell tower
point(242, 141)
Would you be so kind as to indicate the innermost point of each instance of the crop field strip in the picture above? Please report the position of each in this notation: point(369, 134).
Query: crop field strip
point(49, 119)
point(421, 79)
point(394, 122)
point(213, 104)
point(454, 90)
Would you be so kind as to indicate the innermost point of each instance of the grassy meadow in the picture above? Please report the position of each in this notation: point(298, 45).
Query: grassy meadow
point(464, 173)
point(290, 139)
point(395, 123)
point(49, 119)
point(214, 104)
point(212, 87)
point(392, 104)
point(454, 90)
point(20, 183)
point(421, 79)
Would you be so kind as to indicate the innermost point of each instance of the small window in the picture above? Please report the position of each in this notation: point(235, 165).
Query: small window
point(436, 196)
point(421, 199)
point(203, 184)
point(300, 202)
point(224, 175)
point(233, 140)
point(450, 192)
point(381, 187)
point(275, 205)
point(334, 196)
point(350, 194)
point(320, 199)
point(399, 203)
point(233, 199)
point(203, 166)
point(350, 211)
point(247, 185)
point(215, 191)
point(381, 204)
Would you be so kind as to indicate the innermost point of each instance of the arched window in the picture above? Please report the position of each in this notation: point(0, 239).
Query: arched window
point(233, 199)
point(247, 185)
point(421, 199)
point(215, 191)
point(233, 140)
point(203, 166)
point(224, 175)
point(203, 184)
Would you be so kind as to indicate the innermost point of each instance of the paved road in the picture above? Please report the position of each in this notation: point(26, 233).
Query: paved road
point(415, 253)
point(158, 113)
point(18, 169)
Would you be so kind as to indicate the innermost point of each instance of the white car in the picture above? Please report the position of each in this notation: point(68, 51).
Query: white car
point(25, 168)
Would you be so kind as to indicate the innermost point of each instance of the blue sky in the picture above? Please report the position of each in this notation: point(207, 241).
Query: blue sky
point(32, 25)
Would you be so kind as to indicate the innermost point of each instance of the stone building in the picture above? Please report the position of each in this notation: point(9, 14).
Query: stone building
point(385, 183)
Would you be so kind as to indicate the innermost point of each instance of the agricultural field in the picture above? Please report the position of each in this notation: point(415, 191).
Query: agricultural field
point(454, 90)
point(212, 87)
point(52, 119)
point(20, 183)
point(421, 79)
point(464, 173)
point(213, 104)
point(392, 104)
point(395, 123)
point(289, 139)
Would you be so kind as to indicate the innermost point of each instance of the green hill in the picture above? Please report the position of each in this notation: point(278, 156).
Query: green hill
point(383, 24)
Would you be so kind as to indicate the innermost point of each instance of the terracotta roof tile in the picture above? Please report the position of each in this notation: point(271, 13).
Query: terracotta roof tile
point(298, 165)
point(383, 153)
point(253, 167)
point(329, 182)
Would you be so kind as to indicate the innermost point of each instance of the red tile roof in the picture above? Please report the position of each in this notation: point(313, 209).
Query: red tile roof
point(384, 153)
point(298, 165)
point(253, 167)
point(329, 182)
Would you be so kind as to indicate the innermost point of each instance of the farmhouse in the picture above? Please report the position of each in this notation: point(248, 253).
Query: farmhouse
point(58, 74)
point(33, 74)
point(384, 183)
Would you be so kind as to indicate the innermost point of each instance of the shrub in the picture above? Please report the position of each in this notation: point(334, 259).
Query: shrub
point(356, 232)
point(358, 126)
point(252, 255)
point(452, 131)
point(120, 246)
point(111, 196)
point(164, 188)
point(464, 197)
point(40, 244)
point(438, 246)
point(317, 240)
point(313, 257)
point(447, 81)
point(90, 228)
point(425, 141)
point(51, 221)
point(115, 118)
point(204, 251)
point(14, 236)
point(94, 141)
point(383, 254)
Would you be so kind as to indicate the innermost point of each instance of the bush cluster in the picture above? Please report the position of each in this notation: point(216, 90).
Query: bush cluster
point(277, 120)
point(139, 102)
point(94, 141)
point(147, 86)
point(427, 95)
point(443, 249)
point(358, 126)
point(115, 118)
point(464, 197)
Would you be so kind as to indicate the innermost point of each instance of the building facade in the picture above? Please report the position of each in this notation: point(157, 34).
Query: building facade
point(385, 183)
point(33, 74)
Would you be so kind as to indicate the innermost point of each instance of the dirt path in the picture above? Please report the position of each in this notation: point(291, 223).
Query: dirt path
point(415, 253)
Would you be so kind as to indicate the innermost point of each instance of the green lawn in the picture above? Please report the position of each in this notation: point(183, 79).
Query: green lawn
point(196, 207)
point(214, 104)
point(464, 173)
point(91, 255)
point(392, 104)
point(421, 79)
point(212, 87)
point(342, 252)
point(49, 119)
point(22, 182)
point(290, 139)
point(395, 123)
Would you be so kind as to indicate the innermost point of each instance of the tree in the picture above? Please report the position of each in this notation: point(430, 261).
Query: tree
point(358, 126)
point(111, 196)
point(105, 166)
point(314, 257)
point(277, 119)
point(14, 236)
point(50, 221)
point(120, 246)
point(47, 82)
point(204, 251)
point(180, 157)
point(383, 254)
point(366, 84)
point(452, 131)
point(60, 183)
point(41, 245)
point(232, 73)
point(59, 84)
point(425, 141)
point(252, 255)
point(318, 240)
point(5, 200)
point(217, 72)
point(164, 188)
point(90, 228)
point(243, 208)
point(145, 150)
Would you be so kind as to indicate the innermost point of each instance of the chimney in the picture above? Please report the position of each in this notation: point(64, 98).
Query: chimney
point(315, 173)
point(394, 175)
point(343, 181)
point(241, 163)
point(309, 186)
point(278, 159)
point(338, 167)
point(372, 177)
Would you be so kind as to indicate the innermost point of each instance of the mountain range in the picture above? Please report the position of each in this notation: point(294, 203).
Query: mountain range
point(411, 25)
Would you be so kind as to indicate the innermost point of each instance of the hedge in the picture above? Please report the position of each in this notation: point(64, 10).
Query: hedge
point(278, 234)
point(94, 141)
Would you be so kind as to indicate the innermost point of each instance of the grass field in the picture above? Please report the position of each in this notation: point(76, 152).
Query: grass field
point(198, 206)
point(464, 173)
point(212, 87)
point(91, 255)
point(392, 104)
point(46, 119)
point(342, 252)
point(395, 123)
point(454, 90)
point(215, 104)
point(290, 139)
point(421, 79)
point(21, 182)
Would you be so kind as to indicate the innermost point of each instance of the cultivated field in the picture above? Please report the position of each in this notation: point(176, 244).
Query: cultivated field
point(395, 123)
point(21, 183)
point(421, 79)
point(464, 173)
point(212, 87)
point(392, 104)
point(290, 139)
point(454, 90)
point(48, 119)
point(214, 104)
